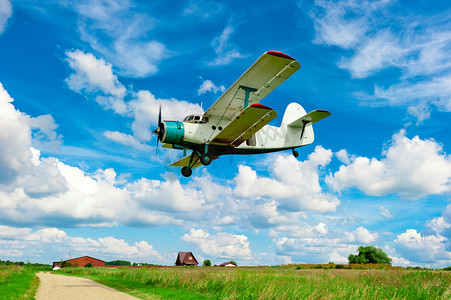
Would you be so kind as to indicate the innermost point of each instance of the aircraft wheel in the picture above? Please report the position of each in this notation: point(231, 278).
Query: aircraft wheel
point(295, 153)
point(205, 159)
point(186, 171)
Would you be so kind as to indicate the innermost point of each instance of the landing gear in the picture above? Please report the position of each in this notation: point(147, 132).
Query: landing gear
point(187, 171)
point(205, 159)
point(295, 153)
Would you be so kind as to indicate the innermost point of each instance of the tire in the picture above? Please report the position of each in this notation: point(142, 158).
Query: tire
point(205, 159)
point(187, 171)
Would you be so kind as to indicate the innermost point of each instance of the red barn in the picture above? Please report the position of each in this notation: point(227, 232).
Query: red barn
point(83, 261)
point(186, 259)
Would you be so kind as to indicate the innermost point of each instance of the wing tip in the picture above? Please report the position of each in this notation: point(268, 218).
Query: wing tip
point(279, 54)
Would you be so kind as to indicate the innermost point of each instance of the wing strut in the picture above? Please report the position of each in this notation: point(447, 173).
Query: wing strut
point(248, 90)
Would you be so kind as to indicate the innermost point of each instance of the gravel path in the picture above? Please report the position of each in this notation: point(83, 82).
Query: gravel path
point(54, 286)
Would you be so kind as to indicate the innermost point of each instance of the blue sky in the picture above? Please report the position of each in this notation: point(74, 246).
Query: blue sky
point(81, 83)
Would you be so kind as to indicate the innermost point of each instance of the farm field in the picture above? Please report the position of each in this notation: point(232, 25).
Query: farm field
point(287, 282)
point(18, 282)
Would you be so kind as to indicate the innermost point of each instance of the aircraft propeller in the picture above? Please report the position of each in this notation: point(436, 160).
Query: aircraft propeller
point(159, 131)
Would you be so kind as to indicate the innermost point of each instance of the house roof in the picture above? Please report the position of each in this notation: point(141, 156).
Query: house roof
point(227, 263)
point(183, 257)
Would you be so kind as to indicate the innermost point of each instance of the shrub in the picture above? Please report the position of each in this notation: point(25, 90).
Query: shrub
point(88, 265)
point(207, 263)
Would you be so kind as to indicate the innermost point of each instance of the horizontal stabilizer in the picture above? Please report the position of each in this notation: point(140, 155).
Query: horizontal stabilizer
point(183, 162)
point(310, 118)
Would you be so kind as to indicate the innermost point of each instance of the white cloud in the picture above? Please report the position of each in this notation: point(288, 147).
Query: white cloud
point(6, 11)
point(318, 244)
point(202, 8)
point(126, 140)
point(422, 248)
point(412, 168)
point(209, 86)
point(222, 244)
point(145, 108)
point(419, 50)
point(378, 53)
point(95, 77)
point(224, 50)
point(334, 26)
point(44, 131)
point(294, 185)
point(361, 235)
point(15, 138)
point(385, 212)
point(120, 33)
point(39, 241)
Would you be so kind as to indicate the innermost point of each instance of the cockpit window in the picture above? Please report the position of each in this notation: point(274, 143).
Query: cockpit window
point(196, 119)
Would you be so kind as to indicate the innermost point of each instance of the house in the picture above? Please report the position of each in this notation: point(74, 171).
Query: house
point(186, 259)
point(228, 264)
point(80, 262)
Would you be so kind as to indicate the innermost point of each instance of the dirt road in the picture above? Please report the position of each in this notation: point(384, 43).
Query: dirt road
point(54, 286)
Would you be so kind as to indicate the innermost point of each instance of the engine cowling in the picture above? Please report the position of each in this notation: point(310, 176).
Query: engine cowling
point(173, 132)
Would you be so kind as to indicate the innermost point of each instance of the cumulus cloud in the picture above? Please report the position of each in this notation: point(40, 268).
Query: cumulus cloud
point(27, 240)
point(422, 248)
point(318, 244)
point(294, 185)
point(6, 11)
point(145, 108)
point(45, 191)
point(222, 244)
point(15, 138)
point(361, 235)
point(412, 168)
point(94, 77)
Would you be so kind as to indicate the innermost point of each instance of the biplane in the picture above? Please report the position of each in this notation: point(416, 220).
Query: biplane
point(238, 124)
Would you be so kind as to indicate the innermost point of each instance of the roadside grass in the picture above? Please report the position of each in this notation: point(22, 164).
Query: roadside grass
point(18, 282)
point(286, 282)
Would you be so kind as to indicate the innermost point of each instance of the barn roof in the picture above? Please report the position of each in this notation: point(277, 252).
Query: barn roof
point(77, 258)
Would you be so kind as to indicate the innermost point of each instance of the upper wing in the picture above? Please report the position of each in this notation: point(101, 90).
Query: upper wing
point(267, 73)
point(246, 124)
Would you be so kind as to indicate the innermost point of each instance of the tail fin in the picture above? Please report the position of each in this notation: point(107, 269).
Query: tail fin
point(298, 122)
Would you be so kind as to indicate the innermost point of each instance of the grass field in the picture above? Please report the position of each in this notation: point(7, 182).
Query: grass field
point(287, 282)
point(18, 282)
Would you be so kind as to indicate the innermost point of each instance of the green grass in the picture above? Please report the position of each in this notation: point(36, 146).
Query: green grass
point(18, 282)
point(272, 282)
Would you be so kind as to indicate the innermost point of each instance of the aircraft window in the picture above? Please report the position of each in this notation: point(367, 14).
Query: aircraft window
point(196, 119)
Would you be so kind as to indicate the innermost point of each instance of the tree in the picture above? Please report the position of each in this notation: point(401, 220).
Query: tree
point(370, 255)
point(118, 263)
point(207, 263)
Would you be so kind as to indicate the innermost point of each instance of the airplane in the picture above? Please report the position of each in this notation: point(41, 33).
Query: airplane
point(237, 123)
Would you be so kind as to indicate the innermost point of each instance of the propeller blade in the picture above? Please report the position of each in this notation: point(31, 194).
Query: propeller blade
point(159, 117)
point(157, 132)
